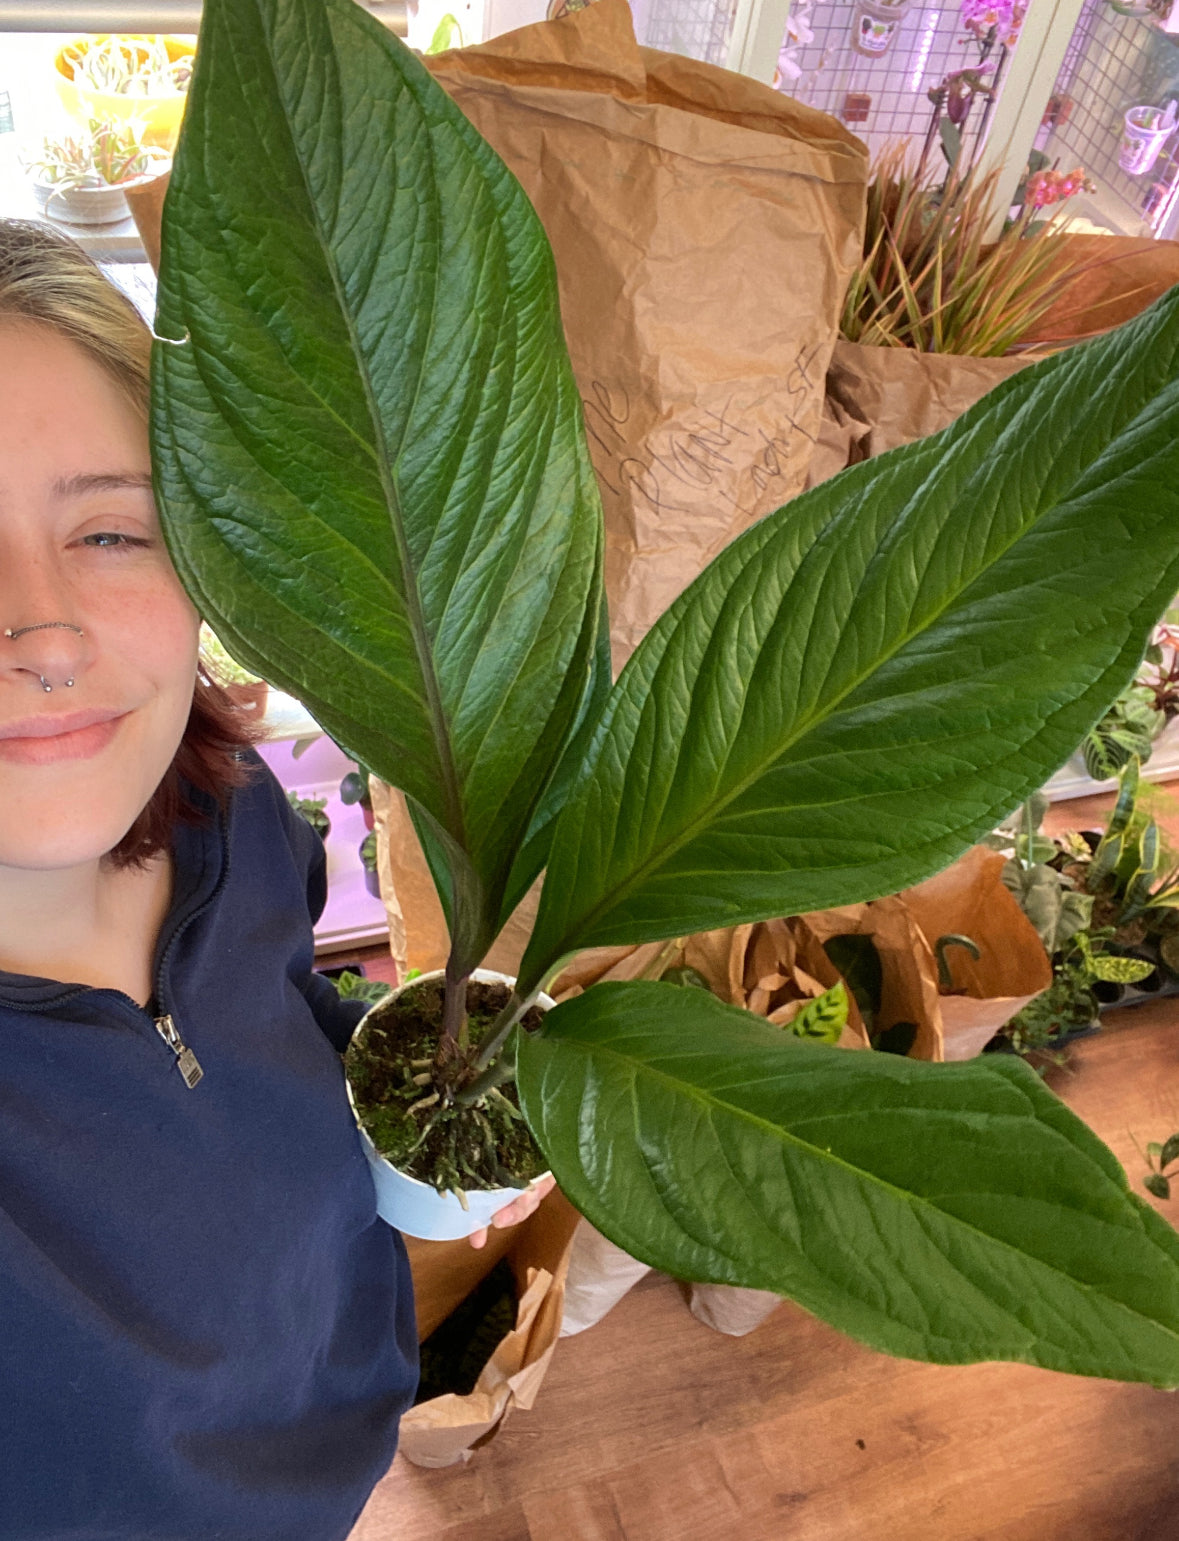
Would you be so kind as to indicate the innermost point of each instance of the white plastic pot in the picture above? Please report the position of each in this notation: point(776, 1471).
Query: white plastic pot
point(415, 1208)
point(1145, 132)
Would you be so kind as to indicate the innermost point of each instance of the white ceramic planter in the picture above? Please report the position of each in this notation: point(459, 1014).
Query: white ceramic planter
point(413, 1207)
point(88, 205)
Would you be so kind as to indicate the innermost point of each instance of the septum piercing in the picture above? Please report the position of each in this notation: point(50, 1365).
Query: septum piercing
point(19, 631)
point(42, 626)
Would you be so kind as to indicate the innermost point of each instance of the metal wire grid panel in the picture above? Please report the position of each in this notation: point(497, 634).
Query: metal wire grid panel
point(1113, 62)
point(885, 98)
point(698, 28)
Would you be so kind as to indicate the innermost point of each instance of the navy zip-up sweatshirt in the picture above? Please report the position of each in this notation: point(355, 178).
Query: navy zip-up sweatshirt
point(205, 1331)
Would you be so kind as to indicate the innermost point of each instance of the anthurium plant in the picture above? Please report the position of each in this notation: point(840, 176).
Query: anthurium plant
point(372, 468)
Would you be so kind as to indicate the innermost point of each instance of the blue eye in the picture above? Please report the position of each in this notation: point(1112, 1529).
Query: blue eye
point(106, 540)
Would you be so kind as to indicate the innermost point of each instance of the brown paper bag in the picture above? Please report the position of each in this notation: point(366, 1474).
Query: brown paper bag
point(771, 969)
point(909, 992)
point(449, 1428)
point(902, 395)
point(1120, 276)
point(843, 441)
point(704, 228)
point(969, 899)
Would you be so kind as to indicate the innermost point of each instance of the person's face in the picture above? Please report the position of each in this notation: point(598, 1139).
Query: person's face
point(80, 543)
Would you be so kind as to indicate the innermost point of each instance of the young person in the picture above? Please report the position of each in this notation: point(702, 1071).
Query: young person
point(205, 1331)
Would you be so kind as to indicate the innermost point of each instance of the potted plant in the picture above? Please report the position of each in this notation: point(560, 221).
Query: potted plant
point(120, 78)
point(368, 860)
point(314, 810)
point(82, 179)
point(852, 692)
point(1140, 714)
point(354, 792)
point(1106, 907)
point(442, 1170)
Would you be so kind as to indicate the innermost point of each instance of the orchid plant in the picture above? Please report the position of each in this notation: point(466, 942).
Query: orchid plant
point(1006, 17)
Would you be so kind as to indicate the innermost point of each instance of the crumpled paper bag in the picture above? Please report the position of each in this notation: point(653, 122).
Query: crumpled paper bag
point(704, 228)
point(730, 1309)
point(900, 395)
point(772, 969)
point(843, 440)
point(970, 899)
point(600, 1274)
point(450, 1428)
point(1120, 275)
point(909, 989)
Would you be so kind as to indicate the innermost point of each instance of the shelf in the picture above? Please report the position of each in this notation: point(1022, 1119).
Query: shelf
point(1071, 780)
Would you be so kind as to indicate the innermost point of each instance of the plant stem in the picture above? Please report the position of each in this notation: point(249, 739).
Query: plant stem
point(655, 969)
point(497, 1033)
point(453, 1039)
point(497, 1074)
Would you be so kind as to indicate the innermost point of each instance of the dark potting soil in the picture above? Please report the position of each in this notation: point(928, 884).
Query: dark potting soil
point(486, 1146)
point(454, 1354)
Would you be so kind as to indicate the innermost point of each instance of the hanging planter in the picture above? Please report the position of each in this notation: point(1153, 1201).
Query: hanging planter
point(875, 26)
point(1145, 131)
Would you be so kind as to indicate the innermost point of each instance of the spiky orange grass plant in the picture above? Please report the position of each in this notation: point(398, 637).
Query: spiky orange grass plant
point(930, 279)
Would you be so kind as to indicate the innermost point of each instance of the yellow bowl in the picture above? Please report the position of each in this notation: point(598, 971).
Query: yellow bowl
point(160, 114)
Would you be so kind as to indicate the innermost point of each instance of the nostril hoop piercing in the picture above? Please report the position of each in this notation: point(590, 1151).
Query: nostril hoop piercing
point(45, 685)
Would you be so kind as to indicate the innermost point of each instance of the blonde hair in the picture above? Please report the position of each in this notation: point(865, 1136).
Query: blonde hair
point(47, 279)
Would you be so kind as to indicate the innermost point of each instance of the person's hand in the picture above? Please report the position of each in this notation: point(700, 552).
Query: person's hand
point(519, 1209)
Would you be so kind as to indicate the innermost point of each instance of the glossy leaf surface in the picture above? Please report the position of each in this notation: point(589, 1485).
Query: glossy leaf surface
point(942, 1212)
point(369, 450)
point(867, 680)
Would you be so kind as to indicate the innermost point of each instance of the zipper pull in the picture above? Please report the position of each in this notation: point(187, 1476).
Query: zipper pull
point(186, 1060)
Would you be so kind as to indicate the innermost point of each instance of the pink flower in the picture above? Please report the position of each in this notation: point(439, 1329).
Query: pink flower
point(979, 16)
point(1047, 186)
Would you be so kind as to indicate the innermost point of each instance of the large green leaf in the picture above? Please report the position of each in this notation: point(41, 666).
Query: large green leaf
point(864, 682)
point(369, 449)
point(943, 1212)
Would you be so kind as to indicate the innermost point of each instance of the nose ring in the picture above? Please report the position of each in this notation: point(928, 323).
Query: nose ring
point(13, 632)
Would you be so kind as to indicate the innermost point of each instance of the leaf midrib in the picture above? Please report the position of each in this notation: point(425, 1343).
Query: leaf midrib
point(711, 1101)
